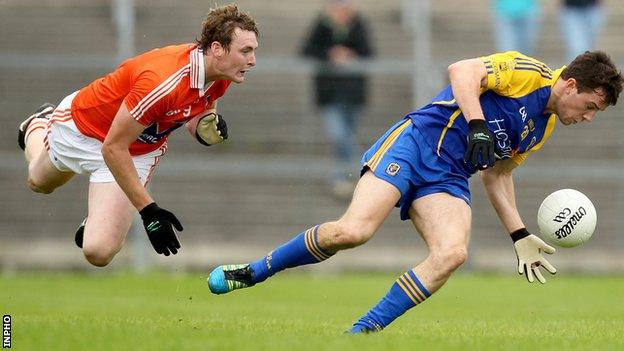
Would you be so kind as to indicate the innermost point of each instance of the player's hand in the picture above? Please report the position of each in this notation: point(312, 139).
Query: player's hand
point(529, 252)
point(480, 151)
point(211, 129)
point(159, 224)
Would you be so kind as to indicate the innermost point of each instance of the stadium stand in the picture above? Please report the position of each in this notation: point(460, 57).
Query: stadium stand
point(266, 183)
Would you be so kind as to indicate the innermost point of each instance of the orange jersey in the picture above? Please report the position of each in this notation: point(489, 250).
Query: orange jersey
point(162, 89)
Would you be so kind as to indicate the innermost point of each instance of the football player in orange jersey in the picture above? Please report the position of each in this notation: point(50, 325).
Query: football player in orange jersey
point(115, 130)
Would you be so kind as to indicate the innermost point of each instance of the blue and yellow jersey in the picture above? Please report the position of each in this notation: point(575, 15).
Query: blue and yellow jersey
point(518, 89)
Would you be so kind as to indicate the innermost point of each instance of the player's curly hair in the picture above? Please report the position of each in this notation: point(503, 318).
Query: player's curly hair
point(220, 23)
point(594, 69)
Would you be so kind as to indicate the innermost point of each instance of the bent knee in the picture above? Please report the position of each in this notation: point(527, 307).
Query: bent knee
point(348, 235)
point(39, 187)
point(99, 257)
point(449, 258)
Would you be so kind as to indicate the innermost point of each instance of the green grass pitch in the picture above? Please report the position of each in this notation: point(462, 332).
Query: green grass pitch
point(303, 311)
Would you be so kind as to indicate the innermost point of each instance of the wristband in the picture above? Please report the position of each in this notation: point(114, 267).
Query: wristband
point(149, 209)
point(519, 234)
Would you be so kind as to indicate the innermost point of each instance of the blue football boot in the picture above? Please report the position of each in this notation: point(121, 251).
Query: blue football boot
point(364, 327)
point(226, 278)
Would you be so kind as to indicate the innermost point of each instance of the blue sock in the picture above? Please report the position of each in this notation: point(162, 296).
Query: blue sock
point(404, 294)
point(300, 250)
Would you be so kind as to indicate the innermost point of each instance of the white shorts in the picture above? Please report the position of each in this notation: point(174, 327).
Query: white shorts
point(71, 151)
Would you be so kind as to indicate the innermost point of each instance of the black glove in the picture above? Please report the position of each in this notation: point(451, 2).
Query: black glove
point(158, 224)
point(480, 151)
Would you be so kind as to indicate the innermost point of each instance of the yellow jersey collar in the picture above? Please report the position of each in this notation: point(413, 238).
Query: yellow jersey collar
point(556, 75)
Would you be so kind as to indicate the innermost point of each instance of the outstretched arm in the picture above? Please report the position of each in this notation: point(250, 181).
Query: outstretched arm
point(125, 130)
point(158, 222)
point(499, 186)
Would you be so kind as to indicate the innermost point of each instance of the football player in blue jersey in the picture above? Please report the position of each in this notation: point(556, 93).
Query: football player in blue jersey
point(496, 111)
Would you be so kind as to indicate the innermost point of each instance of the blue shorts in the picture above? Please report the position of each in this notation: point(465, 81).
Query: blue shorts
point(403, 158)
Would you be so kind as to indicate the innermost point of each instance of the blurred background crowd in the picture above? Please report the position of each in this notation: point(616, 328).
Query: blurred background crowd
point(331, 77)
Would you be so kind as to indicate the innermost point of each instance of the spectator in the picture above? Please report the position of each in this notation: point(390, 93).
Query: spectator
point(339, 36)
point(516, 25)
point(581, 22)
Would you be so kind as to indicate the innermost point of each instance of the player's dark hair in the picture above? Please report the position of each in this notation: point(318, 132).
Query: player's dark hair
point(220, 24)
point(592, 70)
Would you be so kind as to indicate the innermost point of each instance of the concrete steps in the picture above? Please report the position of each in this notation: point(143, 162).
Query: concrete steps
point(268, 182)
